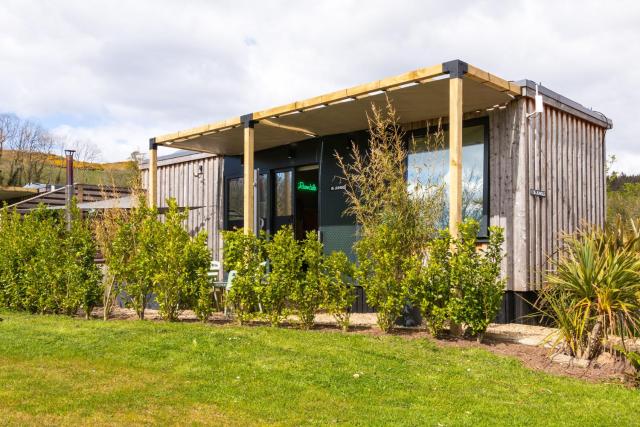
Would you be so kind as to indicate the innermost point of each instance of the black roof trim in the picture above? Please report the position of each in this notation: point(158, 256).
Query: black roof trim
point(529, 90)
point(455, 68)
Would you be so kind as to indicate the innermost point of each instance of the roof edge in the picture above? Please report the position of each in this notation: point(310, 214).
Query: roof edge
point(529, 90)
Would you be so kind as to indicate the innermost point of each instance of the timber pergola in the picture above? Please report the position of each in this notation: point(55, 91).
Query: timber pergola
point(450, 89)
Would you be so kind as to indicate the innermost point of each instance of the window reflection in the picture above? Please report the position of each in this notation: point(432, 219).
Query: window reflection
point(428, 166)
point(262, 201)
point(284, 186)
point(235, 208)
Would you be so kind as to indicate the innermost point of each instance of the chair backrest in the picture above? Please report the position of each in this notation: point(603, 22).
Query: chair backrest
point(230, 277)
point(214, 269)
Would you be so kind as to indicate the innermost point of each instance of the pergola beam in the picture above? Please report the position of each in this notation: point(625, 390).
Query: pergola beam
point(419, 76)
point(353, 92)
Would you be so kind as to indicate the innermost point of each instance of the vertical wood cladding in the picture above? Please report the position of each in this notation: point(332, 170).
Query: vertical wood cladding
point(557, 153)
point(195, 181)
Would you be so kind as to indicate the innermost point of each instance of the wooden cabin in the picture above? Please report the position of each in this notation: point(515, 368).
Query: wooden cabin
point(536, 174)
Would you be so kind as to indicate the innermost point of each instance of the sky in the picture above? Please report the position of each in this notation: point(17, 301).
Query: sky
point(119, 72)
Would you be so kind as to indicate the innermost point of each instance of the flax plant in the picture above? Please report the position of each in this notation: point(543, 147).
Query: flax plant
point(593, 289)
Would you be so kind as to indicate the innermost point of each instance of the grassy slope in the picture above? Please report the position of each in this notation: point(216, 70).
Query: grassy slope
point(55, 370)
point(54, 172)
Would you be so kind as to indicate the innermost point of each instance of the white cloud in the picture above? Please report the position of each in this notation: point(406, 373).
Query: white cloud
point(120, 72)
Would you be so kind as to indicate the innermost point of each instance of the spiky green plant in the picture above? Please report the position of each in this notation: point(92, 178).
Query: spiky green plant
point(593, 290)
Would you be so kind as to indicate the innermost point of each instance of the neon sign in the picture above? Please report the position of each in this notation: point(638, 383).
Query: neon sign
point(303, 186)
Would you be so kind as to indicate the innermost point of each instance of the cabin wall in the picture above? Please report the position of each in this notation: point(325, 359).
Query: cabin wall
point(555, 152)
point(181, 179)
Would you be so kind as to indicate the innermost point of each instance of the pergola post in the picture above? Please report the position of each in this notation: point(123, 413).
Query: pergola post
point(456, 70)
point(249, 135)
point(152, 189)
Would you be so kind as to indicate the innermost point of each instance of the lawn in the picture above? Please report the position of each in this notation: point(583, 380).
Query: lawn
point(57, 370)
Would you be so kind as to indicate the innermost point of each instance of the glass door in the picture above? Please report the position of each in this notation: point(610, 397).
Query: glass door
point(283, 206)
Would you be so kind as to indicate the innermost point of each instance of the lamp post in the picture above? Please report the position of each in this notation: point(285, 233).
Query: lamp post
point(69, 187)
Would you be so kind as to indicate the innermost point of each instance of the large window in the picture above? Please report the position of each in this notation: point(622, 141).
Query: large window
point(235, 202)
point(428, 165)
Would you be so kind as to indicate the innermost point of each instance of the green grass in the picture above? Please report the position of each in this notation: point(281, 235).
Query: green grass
point(57, 370)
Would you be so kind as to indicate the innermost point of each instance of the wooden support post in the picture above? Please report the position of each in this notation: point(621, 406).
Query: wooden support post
point(249, 132)
point(455, 154)
point(152, 187)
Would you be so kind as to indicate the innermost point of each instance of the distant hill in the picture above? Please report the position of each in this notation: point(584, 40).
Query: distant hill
point(54, 171)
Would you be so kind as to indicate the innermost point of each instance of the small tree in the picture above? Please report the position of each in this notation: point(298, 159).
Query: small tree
point(396, 219)
point(336, 281)
point(106, 226)
point(307, 295)
point(285, 262)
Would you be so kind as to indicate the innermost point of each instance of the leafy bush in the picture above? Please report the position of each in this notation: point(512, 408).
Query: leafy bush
point(45, 268)
point(307, 294)
point(475, 275)
point(133, 258)
point(336, 281)
point(434, 296)
point(592, 291)
point(182, 280)
point(106, 225)
point(383, 262)
point(461, 284)
point(244, 253)
point(285, 262)
point(82, 275)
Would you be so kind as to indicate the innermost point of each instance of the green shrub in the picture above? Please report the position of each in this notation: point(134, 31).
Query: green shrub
point(336, 281)
point(82, 275)
point(461, 284)
point(476, 277)
point(592, 291)
point(12, 257)
point(434, 291)
point(307, 294)
point(285, 263)
point(244, 253)
point(134, 256)
point(45, 268)
point(181, 278)
point(41, 285)
point(198, 257)
point(382, 264)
